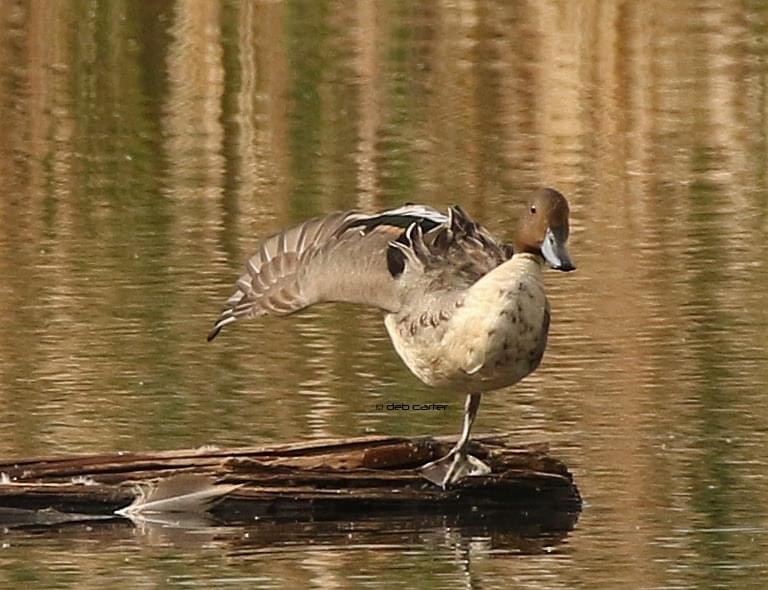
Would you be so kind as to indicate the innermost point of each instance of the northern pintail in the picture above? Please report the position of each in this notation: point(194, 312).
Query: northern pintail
point(466, 312)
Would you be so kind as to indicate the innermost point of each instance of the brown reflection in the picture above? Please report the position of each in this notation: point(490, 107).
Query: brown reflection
point(193, 107)
point(260, 114)
point(367, 74)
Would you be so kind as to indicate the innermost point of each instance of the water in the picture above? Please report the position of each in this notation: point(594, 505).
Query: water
point(147, 146)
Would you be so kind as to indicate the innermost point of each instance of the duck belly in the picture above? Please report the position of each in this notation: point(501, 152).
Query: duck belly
point(514, 345)
point(486, 345)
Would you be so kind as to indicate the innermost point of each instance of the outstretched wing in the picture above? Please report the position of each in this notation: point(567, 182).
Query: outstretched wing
point(340, 257)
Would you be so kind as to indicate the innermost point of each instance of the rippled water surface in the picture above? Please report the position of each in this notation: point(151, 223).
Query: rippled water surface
point(146, 146)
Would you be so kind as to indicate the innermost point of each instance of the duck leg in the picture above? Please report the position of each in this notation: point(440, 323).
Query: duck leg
point(458, 463)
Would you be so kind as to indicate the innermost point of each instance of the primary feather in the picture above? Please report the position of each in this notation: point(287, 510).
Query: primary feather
point(189, 493)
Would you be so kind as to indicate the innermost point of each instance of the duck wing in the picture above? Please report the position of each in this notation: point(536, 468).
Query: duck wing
point(341, 257)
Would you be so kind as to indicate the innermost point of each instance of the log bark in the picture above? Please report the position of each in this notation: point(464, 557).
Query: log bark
point(327, 480)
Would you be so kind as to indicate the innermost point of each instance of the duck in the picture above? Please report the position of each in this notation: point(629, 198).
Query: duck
point(466, 312)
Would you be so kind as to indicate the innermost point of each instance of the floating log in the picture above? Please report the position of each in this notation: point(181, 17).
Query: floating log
point(317, 480)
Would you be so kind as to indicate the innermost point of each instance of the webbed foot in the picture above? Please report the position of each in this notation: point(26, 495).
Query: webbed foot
point(454, 466)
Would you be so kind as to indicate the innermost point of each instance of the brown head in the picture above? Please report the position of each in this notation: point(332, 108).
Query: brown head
point(543, 229)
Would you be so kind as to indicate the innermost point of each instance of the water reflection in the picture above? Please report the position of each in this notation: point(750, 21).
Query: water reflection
point(327, 553)
point(147, 145)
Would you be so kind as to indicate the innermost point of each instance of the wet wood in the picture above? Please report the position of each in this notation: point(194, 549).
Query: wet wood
point(313, 480)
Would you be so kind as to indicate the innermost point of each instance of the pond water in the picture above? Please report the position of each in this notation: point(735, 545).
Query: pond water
point(148, 145)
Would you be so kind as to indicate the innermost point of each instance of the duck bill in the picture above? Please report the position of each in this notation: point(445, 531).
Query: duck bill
point(555, 252)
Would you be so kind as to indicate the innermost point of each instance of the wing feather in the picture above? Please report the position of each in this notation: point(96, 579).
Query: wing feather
point(379, 260)
point(340, 257)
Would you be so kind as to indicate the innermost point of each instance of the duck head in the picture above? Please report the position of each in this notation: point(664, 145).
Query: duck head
point(544, 229)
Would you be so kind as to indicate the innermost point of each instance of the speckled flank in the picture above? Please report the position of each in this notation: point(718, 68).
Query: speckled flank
point(492, 339)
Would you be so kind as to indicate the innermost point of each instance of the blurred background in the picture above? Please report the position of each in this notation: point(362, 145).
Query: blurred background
point(147, 146)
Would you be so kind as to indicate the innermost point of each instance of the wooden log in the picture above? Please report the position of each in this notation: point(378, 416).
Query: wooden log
point(329, 479)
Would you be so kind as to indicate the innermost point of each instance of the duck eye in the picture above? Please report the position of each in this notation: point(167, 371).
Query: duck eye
point(533, 208)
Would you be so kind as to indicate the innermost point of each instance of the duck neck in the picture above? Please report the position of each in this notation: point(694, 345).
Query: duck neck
point(522, 266)
point(521, 263)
